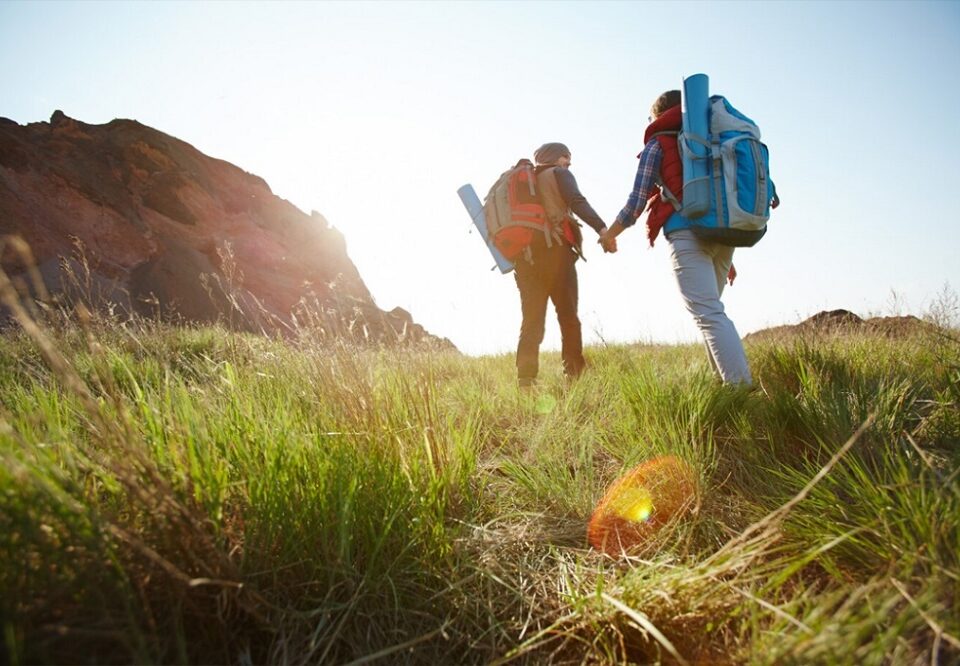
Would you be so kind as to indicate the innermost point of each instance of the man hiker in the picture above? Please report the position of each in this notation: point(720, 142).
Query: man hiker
point(700, 267)
point(548, 271)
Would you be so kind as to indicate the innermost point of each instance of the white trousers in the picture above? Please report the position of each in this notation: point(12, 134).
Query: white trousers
point(701, 271)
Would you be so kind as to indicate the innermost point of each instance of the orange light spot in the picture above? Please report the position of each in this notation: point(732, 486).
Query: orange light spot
point(640, 502)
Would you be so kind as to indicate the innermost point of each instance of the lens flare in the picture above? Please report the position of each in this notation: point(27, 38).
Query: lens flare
point(633, 504)
point(640, 502)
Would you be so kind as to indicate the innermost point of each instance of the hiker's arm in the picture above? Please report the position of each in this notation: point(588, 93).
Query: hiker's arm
point(577, 202)
point(643, 184)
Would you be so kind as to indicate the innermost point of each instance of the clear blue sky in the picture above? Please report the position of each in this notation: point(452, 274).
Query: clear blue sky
point(375, 113)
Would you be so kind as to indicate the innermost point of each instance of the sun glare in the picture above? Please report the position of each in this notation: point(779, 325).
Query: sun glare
point(634, 504)
point(640, 502)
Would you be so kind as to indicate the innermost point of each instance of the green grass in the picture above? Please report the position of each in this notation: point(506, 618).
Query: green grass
point(176, 495)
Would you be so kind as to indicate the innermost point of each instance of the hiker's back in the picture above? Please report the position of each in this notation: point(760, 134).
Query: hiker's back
point(555, 207)
point(563, 225)
point(514, 210)
point(731, 203)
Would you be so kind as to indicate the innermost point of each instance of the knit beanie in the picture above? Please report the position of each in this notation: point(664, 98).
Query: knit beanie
point(549, 153)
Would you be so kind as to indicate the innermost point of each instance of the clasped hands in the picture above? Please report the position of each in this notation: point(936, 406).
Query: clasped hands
point(607, 241)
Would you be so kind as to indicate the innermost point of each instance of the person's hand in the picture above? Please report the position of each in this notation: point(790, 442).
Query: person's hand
point(731, 275)
point(775, 202)
point(607, 242)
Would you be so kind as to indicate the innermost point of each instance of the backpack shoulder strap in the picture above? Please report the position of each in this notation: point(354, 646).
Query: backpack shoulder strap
point(664, 190)
point(667, 194)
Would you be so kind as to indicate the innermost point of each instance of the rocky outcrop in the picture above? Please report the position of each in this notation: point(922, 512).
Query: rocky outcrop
point(127, 216)
point(844, 321)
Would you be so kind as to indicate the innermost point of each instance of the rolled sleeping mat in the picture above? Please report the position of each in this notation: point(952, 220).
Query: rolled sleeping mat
point(472, 203)
point(694, 147)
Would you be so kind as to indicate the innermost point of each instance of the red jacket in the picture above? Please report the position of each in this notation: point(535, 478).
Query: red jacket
point(671, 169)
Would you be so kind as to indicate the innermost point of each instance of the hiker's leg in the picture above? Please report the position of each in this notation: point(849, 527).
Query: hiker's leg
point(533, 305)
point(697, 277)
point(722, 260)
point(565, 296)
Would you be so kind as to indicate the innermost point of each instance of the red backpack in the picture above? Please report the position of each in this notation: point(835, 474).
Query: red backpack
point(514, 211)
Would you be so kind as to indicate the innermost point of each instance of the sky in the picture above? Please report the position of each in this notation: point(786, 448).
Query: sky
point(373, 114)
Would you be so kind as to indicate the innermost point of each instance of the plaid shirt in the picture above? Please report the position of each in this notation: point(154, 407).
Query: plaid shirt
point(643, 184)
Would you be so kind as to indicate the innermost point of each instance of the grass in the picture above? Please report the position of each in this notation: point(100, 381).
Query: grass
point(178, 495)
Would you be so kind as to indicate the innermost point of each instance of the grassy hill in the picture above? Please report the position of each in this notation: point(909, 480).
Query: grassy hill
point(199, 496)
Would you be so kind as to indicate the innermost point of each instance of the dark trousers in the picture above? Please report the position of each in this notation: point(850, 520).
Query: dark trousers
point(552, 275)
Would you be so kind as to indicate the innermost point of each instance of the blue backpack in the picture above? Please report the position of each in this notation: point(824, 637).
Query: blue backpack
point(730, 203)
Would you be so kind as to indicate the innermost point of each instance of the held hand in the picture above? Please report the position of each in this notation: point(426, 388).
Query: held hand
point(775, 202)
point(731, 275)
point(607, 242)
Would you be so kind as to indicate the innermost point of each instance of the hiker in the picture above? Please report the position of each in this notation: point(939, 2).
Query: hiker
point(548, 271)
point(700, 267)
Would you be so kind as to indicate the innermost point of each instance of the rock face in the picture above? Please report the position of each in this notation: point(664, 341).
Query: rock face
point(126, 215)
